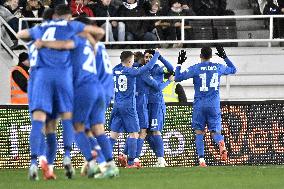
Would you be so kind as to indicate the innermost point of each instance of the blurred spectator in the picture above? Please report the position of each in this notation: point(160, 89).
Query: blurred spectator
point(9, 18)
point(54, 3)
point(211, 8)
point(79, 7)
point(261, 4)
point(134, 30)
point(104, 9)
point(187, 7)
point(13, 7)
point(19, 80)
point(174, 92)
point(116, 3)
point(175, 28)
point(33, 9)
point(160, 27)
point(281, 5)
point(272, 8)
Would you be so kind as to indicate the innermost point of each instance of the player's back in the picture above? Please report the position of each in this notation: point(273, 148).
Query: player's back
point(124, 85)
point(55, 30)
point(84, 62)
point(104, 69)
point(206, 82)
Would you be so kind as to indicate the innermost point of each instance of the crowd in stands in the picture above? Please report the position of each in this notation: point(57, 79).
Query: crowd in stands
point(129, 30)
point(150, 30)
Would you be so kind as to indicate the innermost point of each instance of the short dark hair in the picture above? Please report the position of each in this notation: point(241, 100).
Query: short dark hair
point(125, 54)
point(48, 13)
point(62, 9)
point(150, 51)
point(84, 20)
point(206, 52)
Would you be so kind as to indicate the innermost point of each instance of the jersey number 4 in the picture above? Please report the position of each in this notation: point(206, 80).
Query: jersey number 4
point(214, 83)
point(49, 34)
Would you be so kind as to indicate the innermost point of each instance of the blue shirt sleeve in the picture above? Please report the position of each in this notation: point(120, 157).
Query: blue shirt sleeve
point(188, 73)
point(77, 40)
point(35, 32)
point(150, 81)
point(76, 26)
point(229, 69)
point(167, 64)
point(147, 67)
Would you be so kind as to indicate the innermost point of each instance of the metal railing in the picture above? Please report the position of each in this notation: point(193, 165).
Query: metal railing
point(3, 22)
point(182, 40)
point(183, 19)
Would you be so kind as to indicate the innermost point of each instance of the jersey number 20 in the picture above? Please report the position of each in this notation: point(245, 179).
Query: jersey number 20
point(90, 64)
point(213, 82)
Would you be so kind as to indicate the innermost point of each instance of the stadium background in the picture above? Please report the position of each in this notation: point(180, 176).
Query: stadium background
point(254, 135)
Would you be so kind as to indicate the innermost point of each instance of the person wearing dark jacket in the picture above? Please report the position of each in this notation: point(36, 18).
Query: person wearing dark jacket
point(103, 8)
point(273, 9)
point(134, 30)
point(19, 80)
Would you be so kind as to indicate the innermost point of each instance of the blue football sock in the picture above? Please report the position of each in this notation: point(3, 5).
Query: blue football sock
point(218, 137)
point(51, 148)
point(125, 150)
point(112, 142)
point(151, 143)
point(199, 142)
point(106, 146)
point(95, 146)
point(140, 143)
point(35, 139)
point(83, 144)
point(68, 136)
point(42, 149)
point(132, 149)
point(159, 145)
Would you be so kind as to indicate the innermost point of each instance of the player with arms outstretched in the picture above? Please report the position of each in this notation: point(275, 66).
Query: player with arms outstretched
point(206, 106)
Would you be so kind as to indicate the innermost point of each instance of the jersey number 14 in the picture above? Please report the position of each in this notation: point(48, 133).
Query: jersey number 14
point(214, 83)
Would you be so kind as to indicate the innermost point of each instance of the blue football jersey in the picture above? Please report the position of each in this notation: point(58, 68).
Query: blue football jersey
point(83, 62)
point(125, 81)
point(50, 31)
point(157, 73)
point(141, 86)
point(104, 69)
point(206, 80)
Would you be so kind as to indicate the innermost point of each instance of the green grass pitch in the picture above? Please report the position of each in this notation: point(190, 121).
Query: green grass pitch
point(238, 177)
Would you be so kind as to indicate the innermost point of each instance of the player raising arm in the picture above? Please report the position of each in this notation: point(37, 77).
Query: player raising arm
point(206, 106)
point(124, 114)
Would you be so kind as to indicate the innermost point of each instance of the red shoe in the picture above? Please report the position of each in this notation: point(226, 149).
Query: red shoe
point(223, 151)
point(44, 165)
point(138, 165)
point(122, 160)
point(131, 166)
point(202, 164)
point(94, 154)
point(47, 173)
